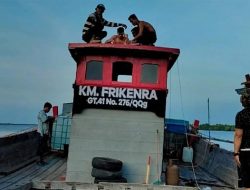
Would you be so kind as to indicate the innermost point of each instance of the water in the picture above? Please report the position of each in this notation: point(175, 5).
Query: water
point(11, 129)
point(224, 135)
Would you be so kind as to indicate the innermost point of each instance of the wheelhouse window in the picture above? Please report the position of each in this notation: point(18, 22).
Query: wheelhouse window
point(149, 73)
point(94, 70)
point(122, 71)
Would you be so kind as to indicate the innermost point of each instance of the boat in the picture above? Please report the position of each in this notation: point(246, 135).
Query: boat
point(118, 116)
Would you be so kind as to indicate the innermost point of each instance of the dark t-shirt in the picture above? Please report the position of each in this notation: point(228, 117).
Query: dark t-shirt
point(242, 121)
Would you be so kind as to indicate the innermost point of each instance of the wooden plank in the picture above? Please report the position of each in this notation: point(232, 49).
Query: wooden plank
point(107, 186)
point(42, 169)
point(6, 181)
point(27, 177)
point(13, 175)
point(23, 186)
point(49, 171)
point(2, 176)
point(22, 178)
point(9, 170)
point(33, 168)
point(58, 173)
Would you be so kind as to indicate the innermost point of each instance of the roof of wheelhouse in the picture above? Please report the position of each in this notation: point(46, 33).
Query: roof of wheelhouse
point(79, 50)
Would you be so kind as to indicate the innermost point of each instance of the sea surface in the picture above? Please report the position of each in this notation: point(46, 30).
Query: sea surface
point(11, 129)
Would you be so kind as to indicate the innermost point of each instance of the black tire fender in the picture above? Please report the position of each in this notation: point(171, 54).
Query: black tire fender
point(109, 164)
point(121, 180)
point(104, 174)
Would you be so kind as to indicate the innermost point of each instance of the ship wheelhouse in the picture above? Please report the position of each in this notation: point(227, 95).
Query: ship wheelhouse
point(142, 70)
point(119, 107)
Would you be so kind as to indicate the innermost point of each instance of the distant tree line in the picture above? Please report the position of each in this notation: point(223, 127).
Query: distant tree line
point(217, 127)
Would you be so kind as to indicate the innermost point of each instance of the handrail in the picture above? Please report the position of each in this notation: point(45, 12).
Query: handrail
point(211, 138)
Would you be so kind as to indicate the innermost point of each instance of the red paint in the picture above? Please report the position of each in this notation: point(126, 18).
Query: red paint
point(149, 160)
point(55, 111)
point(196, 124)
point(137, 55)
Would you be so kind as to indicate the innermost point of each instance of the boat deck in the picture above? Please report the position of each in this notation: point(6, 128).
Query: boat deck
point(23, 179)
point(52, 175)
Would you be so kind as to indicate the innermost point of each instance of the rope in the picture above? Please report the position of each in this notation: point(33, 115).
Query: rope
point(183, 116)
point(179, 80)
point(212, 138)
point(157, 155)
point(170, 96)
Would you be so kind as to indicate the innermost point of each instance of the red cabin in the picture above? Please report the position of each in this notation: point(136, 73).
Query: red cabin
point(118, 108)
point(122, 75)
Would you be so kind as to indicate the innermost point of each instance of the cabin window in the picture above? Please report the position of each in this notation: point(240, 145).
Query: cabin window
point(94, 70)
point(122, 71)
point(149, 73)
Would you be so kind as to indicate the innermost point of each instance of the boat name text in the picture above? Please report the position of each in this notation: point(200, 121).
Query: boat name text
point(111, 92)
point(125, 97)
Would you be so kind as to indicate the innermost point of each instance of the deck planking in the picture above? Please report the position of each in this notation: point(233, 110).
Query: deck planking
point(22, 179)
point(54, 172)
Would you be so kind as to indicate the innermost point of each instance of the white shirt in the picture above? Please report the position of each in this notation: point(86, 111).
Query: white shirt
point(43, 127)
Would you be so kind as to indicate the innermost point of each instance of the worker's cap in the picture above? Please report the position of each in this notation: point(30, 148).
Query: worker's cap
point(101, 6)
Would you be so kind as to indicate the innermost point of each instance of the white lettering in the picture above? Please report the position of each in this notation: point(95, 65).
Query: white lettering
point(91, 100)
point(105, 90)
point(111, 92)
point(145, 94)
point(109, 101)
point(91, 92)
point(87, 91)
point(122, 92)
point(130, 93)
point(153, 95)
point(137, 94)
point(82, 90)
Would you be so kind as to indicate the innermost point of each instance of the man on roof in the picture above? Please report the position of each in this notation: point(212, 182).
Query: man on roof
point(93, 27)
point(119, 38)
point(145, 33)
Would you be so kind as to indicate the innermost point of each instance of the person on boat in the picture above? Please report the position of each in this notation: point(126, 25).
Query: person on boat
point(193, 131)
point(120, 38)
point(135, 31)
point(242, 141)
point(146, 34)
point(93, 27)
point(43, 129)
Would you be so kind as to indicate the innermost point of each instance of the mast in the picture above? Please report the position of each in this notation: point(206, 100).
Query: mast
point(208, 117)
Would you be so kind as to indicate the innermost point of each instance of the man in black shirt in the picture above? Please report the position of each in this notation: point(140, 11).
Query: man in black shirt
point(93, 27)
point(242, 141)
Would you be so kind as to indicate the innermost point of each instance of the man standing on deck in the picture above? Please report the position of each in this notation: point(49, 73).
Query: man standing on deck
point(43, 129)
point(93, 28)
point(242, 141)
point(146, 34)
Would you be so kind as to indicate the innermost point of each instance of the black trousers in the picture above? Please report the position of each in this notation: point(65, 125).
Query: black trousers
point(92, 32)
point(148, 38)
point(43, 146)
point(244, 170)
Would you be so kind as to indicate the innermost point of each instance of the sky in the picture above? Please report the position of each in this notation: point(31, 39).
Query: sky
point(213, 37)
